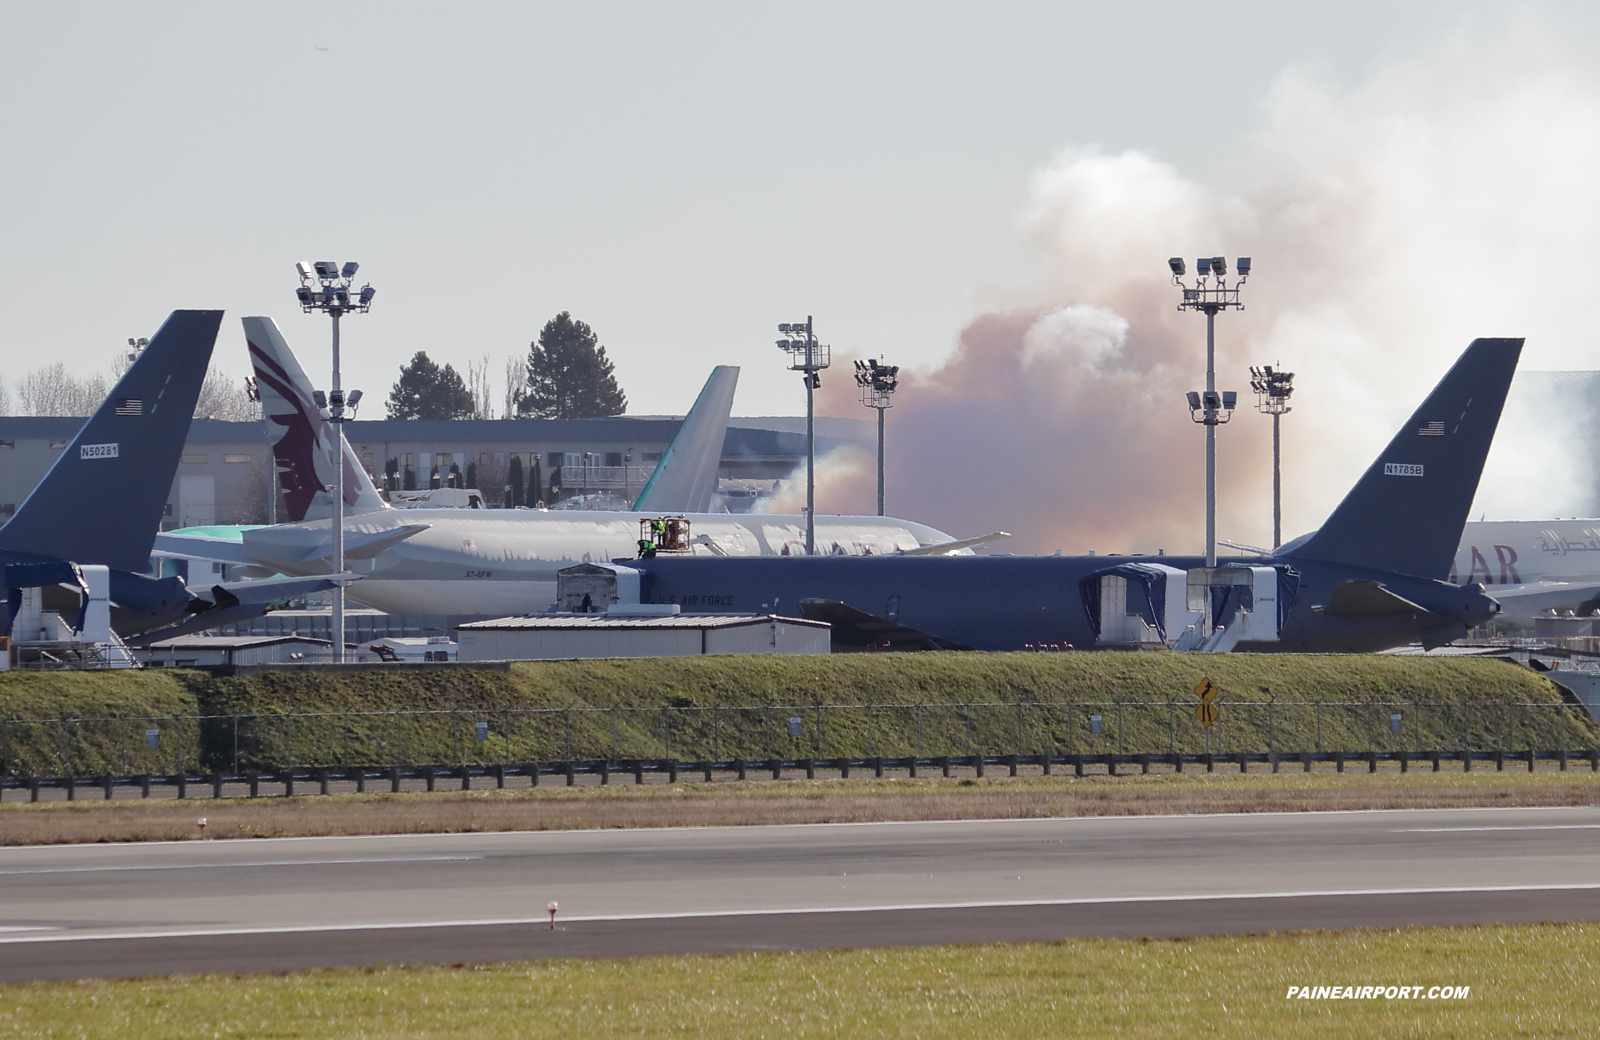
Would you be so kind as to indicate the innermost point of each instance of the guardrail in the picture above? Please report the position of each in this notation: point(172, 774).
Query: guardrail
point(636, 769)
point(236, 745)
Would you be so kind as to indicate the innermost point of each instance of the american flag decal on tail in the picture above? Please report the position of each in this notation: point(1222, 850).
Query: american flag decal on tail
point(1433, 429)
point(130, 406)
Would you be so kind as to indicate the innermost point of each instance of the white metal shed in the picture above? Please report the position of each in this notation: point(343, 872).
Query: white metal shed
point(560, 637)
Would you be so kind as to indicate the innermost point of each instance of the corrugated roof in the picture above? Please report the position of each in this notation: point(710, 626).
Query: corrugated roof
point(230, 642)
point(572, 621)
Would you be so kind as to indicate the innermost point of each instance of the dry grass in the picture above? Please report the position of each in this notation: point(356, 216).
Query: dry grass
point(1525, 981)
point(818, 801)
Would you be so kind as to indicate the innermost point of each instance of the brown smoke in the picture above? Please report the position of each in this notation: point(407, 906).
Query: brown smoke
point(1390, 223)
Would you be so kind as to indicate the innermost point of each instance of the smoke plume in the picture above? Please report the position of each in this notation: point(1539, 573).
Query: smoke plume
point(1390, 222)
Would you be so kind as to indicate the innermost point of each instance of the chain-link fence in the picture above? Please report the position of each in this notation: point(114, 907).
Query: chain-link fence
point(692, 733)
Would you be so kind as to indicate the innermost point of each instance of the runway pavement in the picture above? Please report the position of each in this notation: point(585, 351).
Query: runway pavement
point(117, 910)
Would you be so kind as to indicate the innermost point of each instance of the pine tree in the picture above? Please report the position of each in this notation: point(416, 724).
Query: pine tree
point(426, 391)
point(569, 375)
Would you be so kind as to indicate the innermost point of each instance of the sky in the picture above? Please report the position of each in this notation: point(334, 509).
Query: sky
point(983, 194)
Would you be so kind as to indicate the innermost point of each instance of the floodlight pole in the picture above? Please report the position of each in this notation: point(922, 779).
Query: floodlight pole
point(1210, 294)
point(880, 461)
point(327, 289)
point(878, 383)
point(808, 357)
point(1272, 388)
point(1211, 437)
point(338, 502)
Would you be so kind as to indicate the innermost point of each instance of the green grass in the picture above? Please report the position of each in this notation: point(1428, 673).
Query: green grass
point(1526, 981)
point(741, 707)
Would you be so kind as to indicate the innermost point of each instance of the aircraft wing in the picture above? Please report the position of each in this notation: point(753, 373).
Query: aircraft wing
point(686, 477)
point(858, 629)
point(1544, 595)
point(940, 548)
point(1367, 599)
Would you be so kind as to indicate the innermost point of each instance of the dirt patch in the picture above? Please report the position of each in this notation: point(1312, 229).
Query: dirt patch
point(781, 802)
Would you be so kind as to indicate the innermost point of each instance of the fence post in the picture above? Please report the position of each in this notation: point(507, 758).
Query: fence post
point(613, 732)
point(1019, 731)
point(1119, 727)
point(569, 740)
point(716, 732)
point(869, 732)
point(919, 734)
point(1319, 728)
point(290, 754)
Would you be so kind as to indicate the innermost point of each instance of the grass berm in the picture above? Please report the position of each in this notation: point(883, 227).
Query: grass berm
point(741, 707)
point(1520, 981)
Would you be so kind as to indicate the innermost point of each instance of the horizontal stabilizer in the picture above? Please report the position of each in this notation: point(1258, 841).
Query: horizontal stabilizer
point(242, 601)
point(366, 545)
point(176, 544)
point(1367, 599)
point(275, 590)
point(1545, 595)
point(940, 548)
point(856, 629)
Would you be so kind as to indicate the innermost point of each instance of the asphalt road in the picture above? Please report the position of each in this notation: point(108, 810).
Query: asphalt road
point(160, 908)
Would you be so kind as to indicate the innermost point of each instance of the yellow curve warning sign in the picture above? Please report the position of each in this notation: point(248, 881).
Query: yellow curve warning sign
point(1207, 713)
point(1207, 691)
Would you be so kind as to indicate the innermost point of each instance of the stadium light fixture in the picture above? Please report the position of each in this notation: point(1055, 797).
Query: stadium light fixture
point(808, 357)
point(1272, 388)
point(1211, 293)
point(325, 287)
point(878, 382)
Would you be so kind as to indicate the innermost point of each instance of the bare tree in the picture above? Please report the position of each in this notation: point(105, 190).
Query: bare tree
point(5, 397)
point(222, 398)
point(516, 384)
point(478, 386)
point(52, 390)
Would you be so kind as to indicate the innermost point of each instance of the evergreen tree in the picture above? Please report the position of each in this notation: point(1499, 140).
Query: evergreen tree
point(569, 375)
point(426, 391)
point(515, 481)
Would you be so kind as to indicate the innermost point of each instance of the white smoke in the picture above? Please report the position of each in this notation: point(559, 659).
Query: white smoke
point(1390, 222)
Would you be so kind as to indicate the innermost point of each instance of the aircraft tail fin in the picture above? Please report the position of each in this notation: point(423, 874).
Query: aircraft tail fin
point(101, 502)
point(685, 480)
point(302, 441)
point(1407, 511)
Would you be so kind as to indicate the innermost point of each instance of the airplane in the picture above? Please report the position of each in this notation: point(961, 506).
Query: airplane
point(1375, 575)
point(90, 523)
point(502, 561)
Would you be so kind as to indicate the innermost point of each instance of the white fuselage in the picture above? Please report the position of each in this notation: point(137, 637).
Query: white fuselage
point(505, 561)
point(1515, 552)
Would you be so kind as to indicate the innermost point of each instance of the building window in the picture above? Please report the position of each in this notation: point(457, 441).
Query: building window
point(234, 458)
point(195, 460)
point(651, 456)
point(613, 458)
point(8, 444)
point(8, 509)
point(57, 445)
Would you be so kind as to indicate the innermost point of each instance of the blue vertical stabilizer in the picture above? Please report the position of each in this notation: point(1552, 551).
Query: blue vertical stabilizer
point(102, 501)
point(1407, 511)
